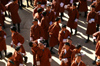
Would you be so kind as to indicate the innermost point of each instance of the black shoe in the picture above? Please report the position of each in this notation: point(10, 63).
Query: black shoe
point(94, 43)
point(86, 41)
point(28, 6)
point(31, 4)
point(23, 6)
point(20, 7)
point(85, 16)
point(25, 59)
point(94, 62)
point(52, 52)
point(0, 57)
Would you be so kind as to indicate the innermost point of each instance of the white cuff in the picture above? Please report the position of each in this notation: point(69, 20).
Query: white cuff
point(61, 4)
point(11, 42)
point(68, 36)
point(42, 6)
point(76, 20)
point(5, 36)
point(31, 39)
point(94, 38)
point(21, 65)
point(64, 40)
point(19, 44)
point(38, 62)
point(50, 23)
point(64, 60)
point(50, 59)
point(92, 20)
point(65, 6)
point(41, 38)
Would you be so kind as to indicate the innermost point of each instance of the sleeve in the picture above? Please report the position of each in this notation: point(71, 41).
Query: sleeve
point(50, 28)
point(31, 31)
point(61, 55)
point(2, 7)
point(72, 56)
point(50, 58)
point(60, 38)
point(41, 32)
point(38, 58)
point(96, 17)
point(77, 15)
point(88, 17)
point(20, 39)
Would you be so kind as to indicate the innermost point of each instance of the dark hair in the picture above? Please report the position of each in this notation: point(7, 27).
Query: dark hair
point(13, 28)
point(57, 19)
point(17, 48)
point(31, 44)
point(63, 26)
point(75, 4)
point(78, 46)
point(35, 19)
point(69, 39)
point(44, 13)
point(9, 55)
point(38, 2)
point(92, 6)
point(39, 10)
point(67, 44)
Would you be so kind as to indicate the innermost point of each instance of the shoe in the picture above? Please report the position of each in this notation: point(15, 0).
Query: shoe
point(94, 62)
point(31, 4)
point(52, 52)
point(94, 43)
point(28, 6)
point(23, 6)
point(86, 41)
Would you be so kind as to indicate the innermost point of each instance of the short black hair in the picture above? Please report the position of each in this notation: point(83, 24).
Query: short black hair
point(31, 44)
point(63, 26)
point(92, 6)
point(67, 44)
point(39, 10)
point(75, 4)
point(9, 55)
point(69, 39)
point(44, 13)
point(78, 46)
point(57, 19)
point(35, 19)
point(13, 28)
point(17, 48)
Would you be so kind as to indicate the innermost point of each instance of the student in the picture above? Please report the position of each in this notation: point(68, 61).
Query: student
point(96, 37)
point(73, 17)
point(62, 37)
point(10, 61)
point(97, 9)
point(2, 42)
point(36, 31)
point(76, 51)
point(34, 49)
point(65, 55)
point(13, 9)
point(18, 40)
point(91, 19)
point(53, 33)
point(43, 55)
point(18, 59)
point(78, 61)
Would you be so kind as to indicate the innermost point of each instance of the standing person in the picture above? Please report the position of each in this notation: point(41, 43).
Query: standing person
point(91, 19)
point(62, 37)
point(50, 14)
point(43, 2)
point(97, 9)
point(2, 18)
point(73, 17)
point(18, 40)
point(38, 15)
point(43, 55)
point(18, 57)
point(10, 61)
point(96, 37)
point(13, 9)
point(38, 6)
point(45, 26)
point(55, 7)
point(53, 32)
point(98, 61)
point(2, 42)
point(20, 2)
point(36, 31)
point(31, 3)
point(76, 51)
point(78, 61)
point(82, 8)
point(34, 49)
point(65, 55)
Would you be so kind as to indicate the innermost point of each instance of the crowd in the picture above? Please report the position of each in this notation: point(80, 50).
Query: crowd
point(46, 33)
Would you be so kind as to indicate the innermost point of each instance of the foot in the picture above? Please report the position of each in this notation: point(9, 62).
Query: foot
point(31, 4)
point(52, 52)
point(20, 7)
point(94, 62)
point(85, 16)
point(86, 41)
point(94, 43)
point(23, 6)
point(28, 6)
point(19, 31)
point(0, 57)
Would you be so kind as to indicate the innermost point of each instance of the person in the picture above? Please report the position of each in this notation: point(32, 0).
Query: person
point(34, 49)
point(72, 47)
point(31, 3)
point(76, 51)
point(38, 6)
point(96, 37)
point(2, 42)
point(82, 8)
point(78, 60)
point(62, 37)
point(97, 53)
point(50, 14)
point(55, 7)
point(73, 17)
point(91, 19)
point(10, 61)
point(98, 61)
point(65, 55)
point(2, 17)
point(45, 26)
point(17, 56)
point(53, 33)
point(97, 9)
point(38, 15)
point(13, 9)
point(43, 2)
point(36, 31)
point(18, 40)
point(43, 56)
